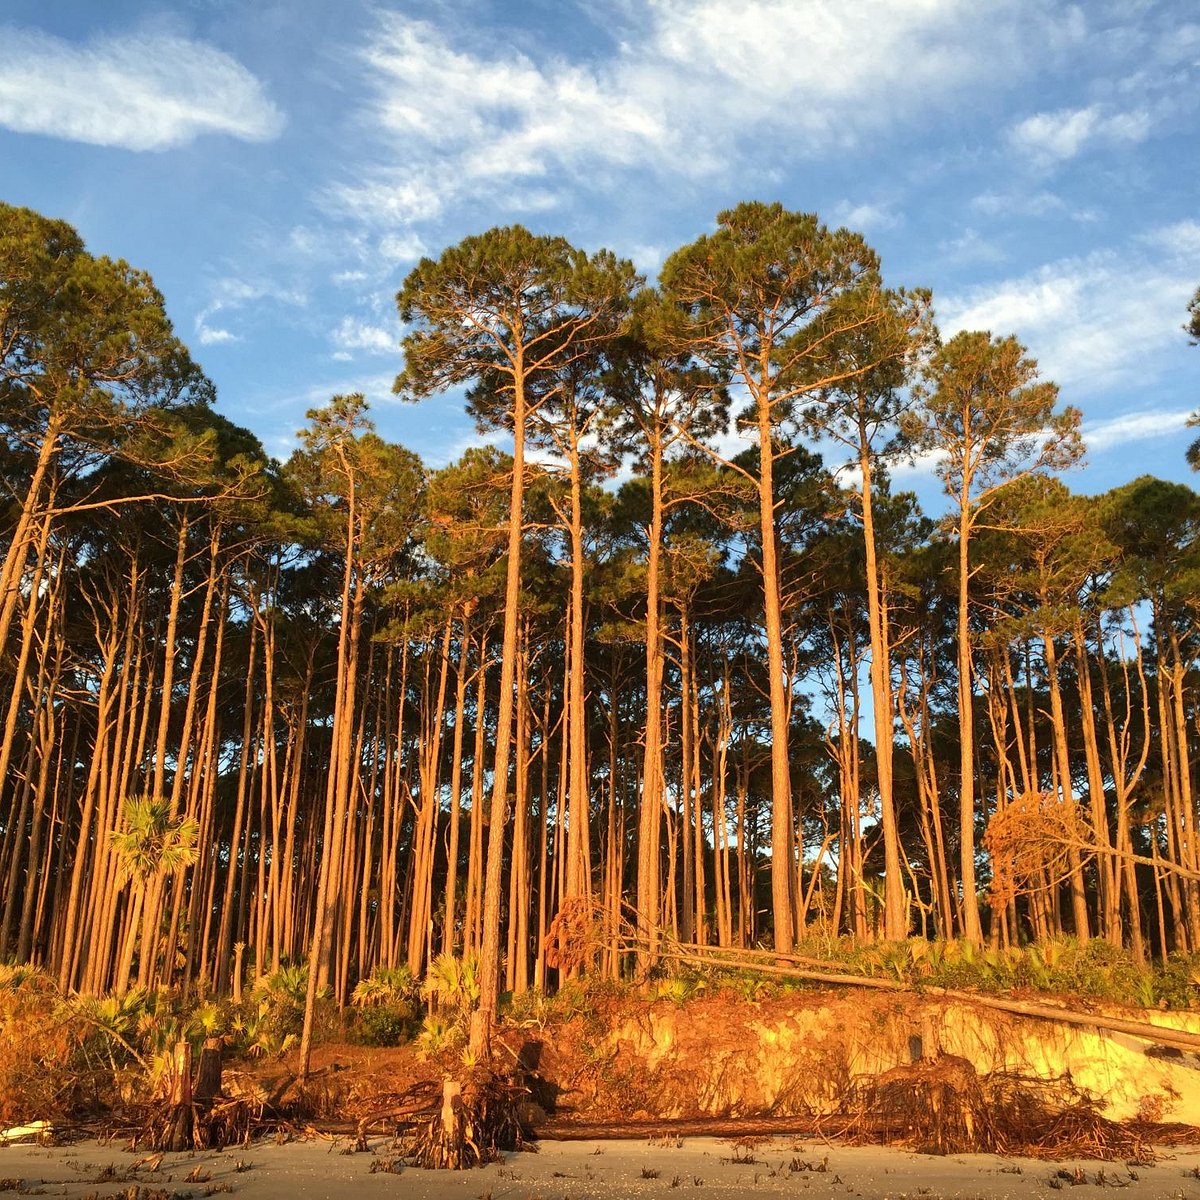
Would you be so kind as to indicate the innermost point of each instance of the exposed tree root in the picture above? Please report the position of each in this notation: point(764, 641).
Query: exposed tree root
point(937, 1106)
point(477, 1119)
point(941, 1106)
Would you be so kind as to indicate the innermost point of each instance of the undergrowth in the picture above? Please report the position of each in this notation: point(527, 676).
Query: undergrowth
point(73, 1053)
point(1096, 970)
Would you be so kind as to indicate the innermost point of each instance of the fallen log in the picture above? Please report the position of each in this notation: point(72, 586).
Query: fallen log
point(1161, 1035)
point(565, 1130)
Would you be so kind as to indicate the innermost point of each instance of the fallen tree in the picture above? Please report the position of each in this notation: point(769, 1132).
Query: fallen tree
point(810, 970)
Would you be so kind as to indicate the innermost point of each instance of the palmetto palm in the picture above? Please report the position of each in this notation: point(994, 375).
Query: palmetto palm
point(152, 845)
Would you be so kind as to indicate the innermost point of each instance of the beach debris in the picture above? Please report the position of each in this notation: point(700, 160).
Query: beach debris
point(935, 1105)
point(30, 1131)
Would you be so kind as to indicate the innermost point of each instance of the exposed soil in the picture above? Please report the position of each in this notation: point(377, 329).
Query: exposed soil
point(902, 1069)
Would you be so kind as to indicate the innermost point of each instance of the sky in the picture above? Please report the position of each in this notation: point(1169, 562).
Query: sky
point(279, 167)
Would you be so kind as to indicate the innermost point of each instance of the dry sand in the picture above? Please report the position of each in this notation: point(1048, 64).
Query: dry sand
point(694, 1170)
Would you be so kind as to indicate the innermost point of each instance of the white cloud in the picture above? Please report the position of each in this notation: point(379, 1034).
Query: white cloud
point(970, 247)
point(1054, 136)
point(1025, 203)
point(1033, 204)
point(866, 217)
point(354, 334)
point(401, 248)
point(1090, 322)
point(1133, 427)
point(648, 257)
point(1180, 45)
point(389, 199)
point(1180, 241)
point(690, 84)
point(140, 92)
point(230, 294)
point(209, 335)
point(920, 466)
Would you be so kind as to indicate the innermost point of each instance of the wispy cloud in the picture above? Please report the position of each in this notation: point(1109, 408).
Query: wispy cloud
point(1091, 322)
point(1133, 427)
point(139, 92)
point(1025, 202)
point(971, 247)
point(689, 83)
point(231, 294)
point(1179, 240)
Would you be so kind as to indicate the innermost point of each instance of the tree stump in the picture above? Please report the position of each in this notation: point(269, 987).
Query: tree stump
point(179, 1102)
point(206, 1086)
point(477, 1120)
point(453, 1139)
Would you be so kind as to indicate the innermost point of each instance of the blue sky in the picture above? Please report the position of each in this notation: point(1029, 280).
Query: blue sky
point(279, 167)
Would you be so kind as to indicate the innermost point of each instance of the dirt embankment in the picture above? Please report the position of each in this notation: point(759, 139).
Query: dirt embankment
point(926, 1071)
point(803, 1053)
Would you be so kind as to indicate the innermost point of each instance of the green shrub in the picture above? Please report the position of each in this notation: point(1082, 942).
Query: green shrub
point(387, 1024)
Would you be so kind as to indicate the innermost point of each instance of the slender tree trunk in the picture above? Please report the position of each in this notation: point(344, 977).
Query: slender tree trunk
point(449, 925)
point(579, 873)
point(489, 959)
point(781, 785)
point(650, 810)
point(16, 553)
point(337, 796)
point(687, 920)
point(1062, 757)
point(895, 922)
point(972, 931)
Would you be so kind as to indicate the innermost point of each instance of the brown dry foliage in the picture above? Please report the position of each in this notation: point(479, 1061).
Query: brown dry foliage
point(1030, 842)
point(37, 1042)
point(575, 935)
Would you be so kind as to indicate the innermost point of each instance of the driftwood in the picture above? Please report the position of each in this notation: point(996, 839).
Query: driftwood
point(418, 1103)
point(563, 1129)
point(768, 962)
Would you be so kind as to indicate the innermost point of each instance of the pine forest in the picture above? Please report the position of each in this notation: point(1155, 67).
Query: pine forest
point(550, 710)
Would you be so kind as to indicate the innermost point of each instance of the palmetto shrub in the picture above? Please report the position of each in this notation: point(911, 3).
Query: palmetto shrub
point(388, 1004)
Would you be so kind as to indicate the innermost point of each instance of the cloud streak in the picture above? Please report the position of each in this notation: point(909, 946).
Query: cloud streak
point(1133, 427)
point(690, 83)
point(230, 295)
point(137, 92)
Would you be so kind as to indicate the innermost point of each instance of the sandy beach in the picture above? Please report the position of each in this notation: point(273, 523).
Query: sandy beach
point(699, 1167)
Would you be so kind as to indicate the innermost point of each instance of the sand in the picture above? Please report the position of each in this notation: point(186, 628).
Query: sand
point(696, 1169)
